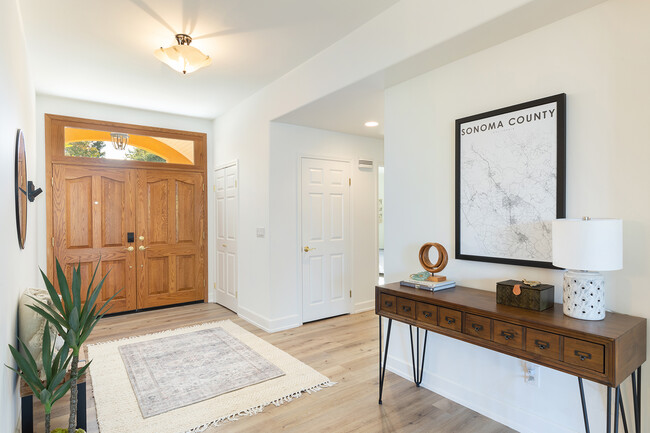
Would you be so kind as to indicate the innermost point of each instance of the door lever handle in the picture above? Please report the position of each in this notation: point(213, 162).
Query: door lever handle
point(129, 249)
point(142, 248)
point(307, 249)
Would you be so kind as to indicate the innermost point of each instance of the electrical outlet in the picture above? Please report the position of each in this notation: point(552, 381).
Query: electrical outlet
point(531, 374)
point(260, 232)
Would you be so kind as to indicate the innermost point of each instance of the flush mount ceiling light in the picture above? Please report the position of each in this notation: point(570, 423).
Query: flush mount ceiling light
point(182, 57)
point(119, 140)
point(371, 124)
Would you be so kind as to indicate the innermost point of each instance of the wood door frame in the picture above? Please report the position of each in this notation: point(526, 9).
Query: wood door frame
point(54, 154)
point(233, 163)
point(299, 226)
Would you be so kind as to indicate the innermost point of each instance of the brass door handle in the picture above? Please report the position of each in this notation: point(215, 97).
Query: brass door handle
point(224, 245)
point(142, 248)
point(307, 249)
point(129, 249)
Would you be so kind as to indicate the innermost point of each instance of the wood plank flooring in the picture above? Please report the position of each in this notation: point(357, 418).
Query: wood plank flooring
point(344, 348)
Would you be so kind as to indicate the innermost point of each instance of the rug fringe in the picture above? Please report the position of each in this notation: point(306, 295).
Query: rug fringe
point(257, 409)
point(161, 333)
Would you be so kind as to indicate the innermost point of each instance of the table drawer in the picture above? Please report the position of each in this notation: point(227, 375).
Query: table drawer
point(388, 303)
point(406, 308)
point(543, 343)
point(450, 319)
point(478, 326)
point(426, 313)
point(584, 354)
point(508, 334)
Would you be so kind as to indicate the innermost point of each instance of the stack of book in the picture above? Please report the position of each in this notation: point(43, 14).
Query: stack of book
point(428, 285)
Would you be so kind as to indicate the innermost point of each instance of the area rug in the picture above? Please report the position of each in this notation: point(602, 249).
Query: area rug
point(278, 378)
point(174, 371)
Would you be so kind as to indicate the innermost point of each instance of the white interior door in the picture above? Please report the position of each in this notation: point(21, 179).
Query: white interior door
point(326, 244)
point(226, 209)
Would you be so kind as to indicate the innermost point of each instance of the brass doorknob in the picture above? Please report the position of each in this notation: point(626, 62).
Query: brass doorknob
point(142, 248)
point(129, 249)
point(141, 238)
point(307, 249)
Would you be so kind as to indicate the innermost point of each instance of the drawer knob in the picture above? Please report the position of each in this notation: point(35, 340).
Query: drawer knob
point(582, 355)
point(406, 308)
point(477, 328)
point(388, 303)
point(542, 344)
point(427, 314)
point(507, 335)
point(450, 320)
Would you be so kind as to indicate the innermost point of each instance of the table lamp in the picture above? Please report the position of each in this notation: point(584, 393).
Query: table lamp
point(583, 247)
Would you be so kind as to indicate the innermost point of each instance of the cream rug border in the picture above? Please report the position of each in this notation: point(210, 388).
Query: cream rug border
point(118, 411)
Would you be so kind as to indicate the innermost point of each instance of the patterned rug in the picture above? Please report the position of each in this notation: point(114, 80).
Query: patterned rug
point(187, 379)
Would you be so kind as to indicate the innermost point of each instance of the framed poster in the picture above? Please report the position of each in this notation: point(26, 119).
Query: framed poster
point(510, 182)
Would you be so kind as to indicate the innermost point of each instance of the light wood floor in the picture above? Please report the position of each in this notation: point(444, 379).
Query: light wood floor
point(344, 348)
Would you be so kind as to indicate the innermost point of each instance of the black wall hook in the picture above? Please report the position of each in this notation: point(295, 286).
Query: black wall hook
point(32, 192)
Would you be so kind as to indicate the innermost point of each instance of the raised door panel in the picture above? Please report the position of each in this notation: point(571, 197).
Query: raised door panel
point(114, 219)
point(78, 221)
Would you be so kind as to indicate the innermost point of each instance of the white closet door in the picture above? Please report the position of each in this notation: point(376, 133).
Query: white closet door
point(226, 212)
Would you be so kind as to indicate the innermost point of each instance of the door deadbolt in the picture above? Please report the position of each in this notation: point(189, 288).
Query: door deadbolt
point(141, 238)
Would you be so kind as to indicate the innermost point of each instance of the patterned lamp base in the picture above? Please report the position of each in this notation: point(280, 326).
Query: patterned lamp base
point(584, 295)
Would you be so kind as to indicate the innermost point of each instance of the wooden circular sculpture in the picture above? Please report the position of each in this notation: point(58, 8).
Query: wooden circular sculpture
point(443, 258)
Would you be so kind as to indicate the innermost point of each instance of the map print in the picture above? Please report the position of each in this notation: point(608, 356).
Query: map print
point(508, 186)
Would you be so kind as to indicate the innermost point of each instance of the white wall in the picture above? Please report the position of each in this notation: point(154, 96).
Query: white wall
point(599, 59)
point(431, 31)
point(289, 143)
point(18, 267)
point(90, 110)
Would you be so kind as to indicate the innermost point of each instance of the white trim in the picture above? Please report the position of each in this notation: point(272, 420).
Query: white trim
point(360, 307)
point(301, 157)
point(268, 325)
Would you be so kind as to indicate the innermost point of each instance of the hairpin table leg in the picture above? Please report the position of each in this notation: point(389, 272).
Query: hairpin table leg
point(382, 373)
point(418, 369)
point(584, 405)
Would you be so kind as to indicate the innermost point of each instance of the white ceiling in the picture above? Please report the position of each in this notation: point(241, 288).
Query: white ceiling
point(102, 51)
point(345, 110)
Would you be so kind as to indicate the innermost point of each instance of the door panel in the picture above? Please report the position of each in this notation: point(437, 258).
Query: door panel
point(226, 214)
point(93, 211)
point(325, 215)
point(170, 255)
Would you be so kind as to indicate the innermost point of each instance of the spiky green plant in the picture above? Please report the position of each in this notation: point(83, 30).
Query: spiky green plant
point(73, 321)
point(55, 364)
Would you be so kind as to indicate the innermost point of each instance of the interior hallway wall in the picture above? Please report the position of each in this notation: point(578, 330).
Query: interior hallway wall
point(598, 57)
point(18, 267)
point(290, 142)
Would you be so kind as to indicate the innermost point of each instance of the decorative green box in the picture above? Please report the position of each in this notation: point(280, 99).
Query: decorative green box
point(537, 298)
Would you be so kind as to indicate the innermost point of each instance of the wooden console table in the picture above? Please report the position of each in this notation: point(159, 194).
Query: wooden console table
point(606, 351)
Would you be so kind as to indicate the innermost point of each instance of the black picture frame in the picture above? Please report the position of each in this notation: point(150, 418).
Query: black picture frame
point(503, 137)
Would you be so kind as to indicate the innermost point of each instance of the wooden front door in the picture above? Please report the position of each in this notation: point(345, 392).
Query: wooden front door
point(94, 209)
point(170, 237)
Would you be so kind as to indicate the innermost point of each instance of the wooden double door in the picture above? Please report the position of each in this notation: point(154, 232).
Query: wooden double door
point(147, 227)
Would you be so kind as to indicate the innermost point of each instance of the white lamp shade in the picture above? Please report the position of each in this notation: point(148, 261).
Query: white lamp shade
point(183, 58)
point(588, 245)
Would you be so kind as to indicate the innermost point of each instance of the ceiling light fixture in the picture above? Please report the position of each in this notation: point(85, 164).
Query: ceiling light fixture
point(119, 140)
point(182, 57)
point(371, 124)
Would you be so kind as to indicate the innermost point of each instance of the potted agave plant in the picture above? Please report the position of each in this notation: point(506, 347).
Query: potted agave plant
point(55, 364)
point(74, 320)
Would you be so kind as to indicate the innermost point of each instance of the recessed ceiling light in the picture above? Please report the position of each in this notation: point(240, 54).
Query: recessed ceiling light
point(371, 124)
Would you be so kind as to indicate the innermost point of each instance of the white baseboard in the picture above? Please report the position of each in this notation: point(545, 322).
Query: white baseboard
point(269, 325)
point(360, 307)
point(518, 419)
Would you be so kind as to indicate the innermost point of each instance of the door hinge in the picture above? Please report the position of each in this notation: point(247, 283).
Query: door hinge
point(349, 181)
point(52, 240)
point(214, 188)
point(52, 180)
point(203, 235)
point(203, 187)
point(235, 183)
point(350, 293)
